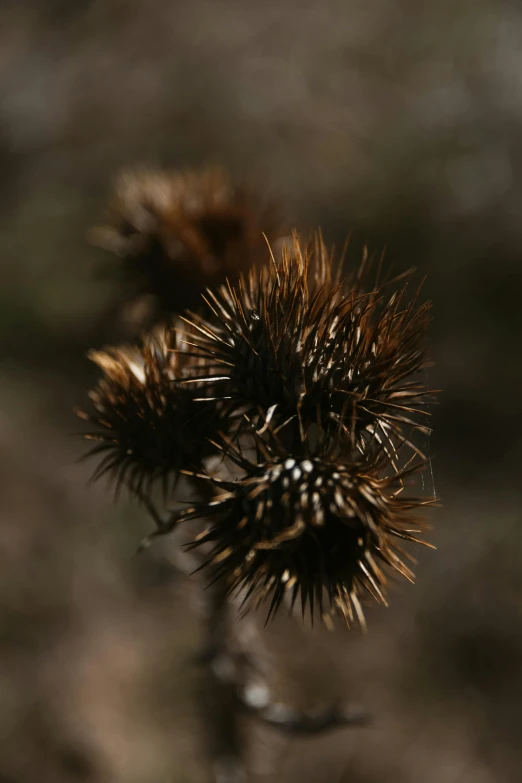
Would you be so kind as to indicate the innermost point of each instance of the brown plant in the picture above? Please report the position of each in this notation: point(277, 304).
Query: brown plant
point(319, 529)
point(178, 232)
point(290, 343)
point(146, 423)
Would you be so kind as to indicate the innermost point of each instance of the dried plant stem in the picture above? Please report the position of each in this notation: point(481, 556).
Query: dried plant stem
point(228, 695)
point(224, 740)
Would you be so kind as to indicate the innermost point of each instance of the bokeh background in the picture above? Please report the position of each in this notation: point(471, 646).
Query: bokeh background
point(399, 121)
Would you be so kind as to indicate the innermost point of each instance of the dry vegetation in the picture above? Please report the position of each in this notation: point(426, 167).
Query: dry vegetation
point(401, 121)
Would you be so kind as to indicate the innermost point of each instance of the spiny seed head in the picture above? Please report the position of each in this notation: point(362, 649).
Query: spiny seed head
point(309, 528)
point(179, 232)
point(291, 343)
point(146, 423)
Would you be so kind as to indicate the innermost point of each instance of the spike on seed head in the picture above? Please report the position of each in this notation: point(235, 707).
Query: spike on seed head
point(146, 424)
point(290, 339)
point(309, 529)
point(181, 231)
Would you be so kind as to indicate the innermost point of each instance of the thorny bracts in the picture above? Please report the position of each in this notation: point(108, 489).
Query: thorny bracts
point(177, 232)
point(315, 529)
point(291, 343)
point(316, 378)
point(146, 423)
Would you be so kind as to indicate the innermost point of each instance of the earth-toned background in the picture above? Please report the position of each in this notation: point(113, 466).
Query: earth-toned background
point(399, 121)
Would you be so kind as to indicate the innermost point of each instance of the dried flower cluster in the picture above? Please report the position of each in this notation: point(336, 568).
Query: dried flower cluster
point(146, 423)
point(308, 386)
point(314, 528)
point(288, 345)
point(178, 232)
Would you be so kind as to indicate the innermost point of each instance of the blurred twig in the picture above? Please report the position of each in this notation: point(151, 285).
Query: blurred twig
point(232, 689)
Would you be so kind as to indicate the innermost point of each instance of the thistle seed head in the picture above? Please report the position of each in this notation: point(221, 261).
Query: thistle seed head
point(146, 423)
point(179, 232)
point(311, 529)
point(290, 343)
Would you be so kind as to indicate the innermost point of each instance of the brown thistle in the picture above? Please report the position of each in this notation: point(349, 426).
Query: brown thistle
point(312, 528)
point(292, 344)
point(147, 425)
point(179, 232)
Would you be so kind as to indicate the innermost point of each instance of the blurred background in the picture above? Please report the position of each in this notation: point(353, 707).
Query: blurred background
point(399, 121)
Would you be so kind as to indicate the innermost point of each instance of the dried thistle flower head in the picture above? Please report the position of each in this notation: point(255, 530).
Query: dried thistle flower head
point(179, 232)
point(292, 344)
point(146, 424)
point(310, 528)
